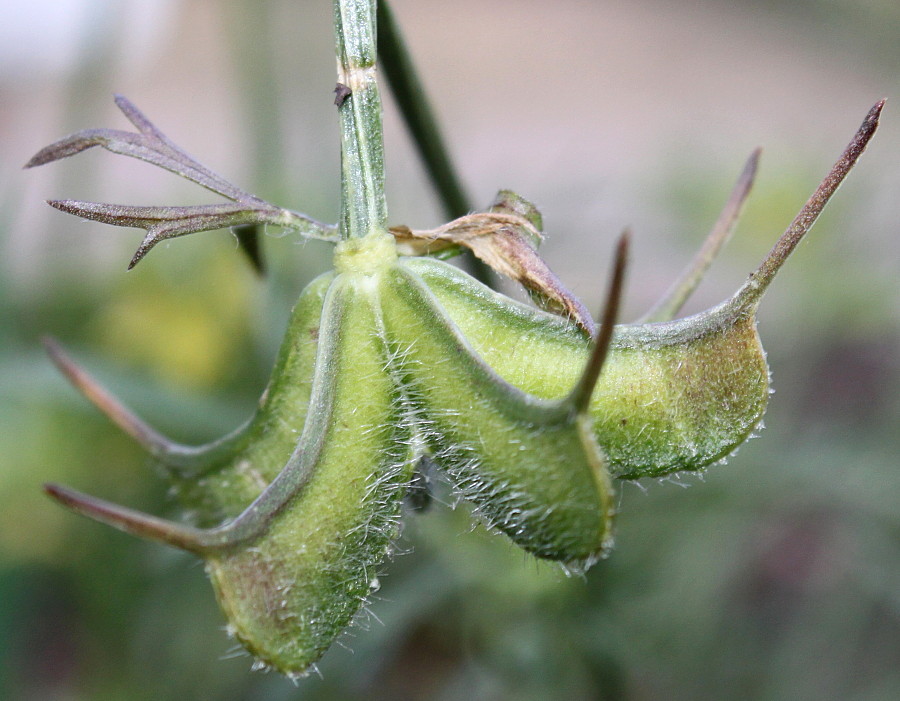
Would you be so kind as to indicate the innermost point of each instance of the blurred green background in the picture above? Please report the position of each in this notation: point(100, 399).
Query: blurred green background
point(774, 577)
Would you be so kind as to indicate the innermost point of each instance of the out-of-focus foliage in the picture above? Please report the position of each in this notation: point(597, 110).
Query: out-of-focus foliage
point(777, 578)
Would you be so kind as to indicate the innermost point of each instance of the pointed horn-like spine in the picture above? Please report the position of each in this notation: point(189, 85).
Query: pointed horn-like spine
point(128, 520)
point(746, 299)
point(154, 442)
point(675, 297)
point(251, 522)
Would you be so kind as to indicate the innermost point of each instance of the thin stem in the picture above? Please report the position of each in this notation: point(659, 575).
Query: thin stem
point(363, 207)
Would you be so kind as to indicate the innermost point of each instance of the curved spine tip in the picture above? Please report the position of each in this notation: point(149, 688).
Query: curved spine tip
point(249, 524)
point(680, 290)
point(747, 297)
point(128, 520)
point(153, 441)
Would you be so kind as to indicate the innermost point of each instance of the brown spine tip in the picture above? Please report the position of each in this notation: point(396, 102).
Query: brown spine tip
point(152, 440)
point(134, 522)
point(675, 297)
point(749, 295)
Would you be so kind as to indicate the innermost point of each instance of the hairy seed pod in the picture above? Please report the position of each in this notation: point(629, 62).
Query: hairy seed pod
point(531, 467)
point(291, 590)
point(672, 396)
point(387, 357)
point(293, 567)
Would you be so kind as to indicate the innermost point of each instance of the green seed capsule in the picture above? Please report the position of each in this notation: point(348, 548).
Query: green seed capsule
point(672, 396)
point(291, 590)
point(385, 354)
point(293, 568)
point(530, 467)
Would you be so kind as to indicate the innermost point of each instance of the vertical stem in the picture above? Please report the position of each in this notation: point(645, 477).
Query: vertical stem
point(363, 207)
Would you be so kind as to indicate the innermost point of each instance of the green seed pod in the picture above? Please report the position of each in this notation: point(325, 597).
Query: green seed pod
point(672, 396)
point(530, 466)
point(292, 589)
point(388, 356)
point(295, 566)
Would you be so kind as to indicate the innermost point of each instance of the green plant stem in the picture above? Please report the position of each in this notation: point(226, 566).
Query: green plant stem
point(363, 207)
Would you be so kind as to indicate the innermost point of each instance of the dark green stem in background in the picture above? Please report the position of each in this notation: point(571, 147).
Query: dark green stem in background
point(254, 65)
point(397, 65)
point(409, 92)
